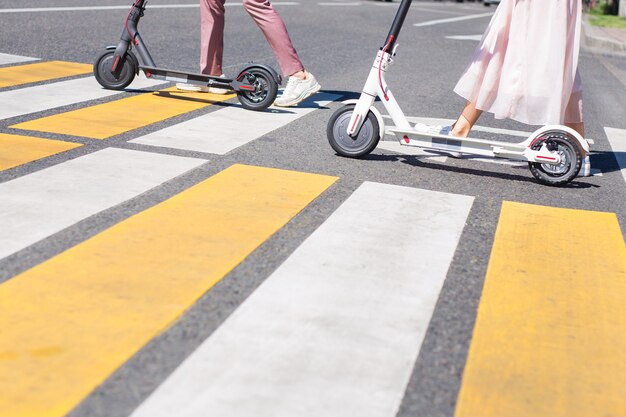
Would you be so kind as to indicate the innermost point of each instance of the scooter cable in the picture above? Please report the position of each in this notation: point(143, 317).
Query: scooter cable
point(380, 67)
point(133, 37)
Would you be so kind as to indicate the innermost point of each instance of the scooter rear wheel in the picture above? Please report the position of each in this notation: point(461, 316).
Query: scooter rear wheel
point(361, 144)
point(571, 159)
point(122, 77)
point(265, 89)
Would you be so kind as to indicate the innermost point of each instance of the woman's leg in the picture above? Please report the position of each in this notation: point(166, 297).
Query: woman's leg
point(469, 116)
point(273, 27)
point(577, 126)
point(211, 36)
point(574, 110)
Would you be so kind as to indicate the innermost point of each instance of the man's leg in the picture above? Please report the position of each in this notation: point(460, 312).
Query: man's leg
point(273, 27)
point(211, 36)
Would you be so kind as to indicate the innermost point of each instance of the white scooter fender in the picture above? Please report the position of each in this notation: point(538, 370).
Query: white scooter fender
point(379, 117)
point(584, 145)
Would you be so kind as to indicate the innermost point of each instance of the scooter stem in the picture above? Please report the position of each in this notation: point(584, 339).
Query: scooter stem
point(398, 21)
point(131, 34)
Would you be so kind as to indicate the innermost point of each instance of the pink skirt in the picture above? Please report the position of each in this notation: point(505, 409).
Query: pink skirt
point(525, 67)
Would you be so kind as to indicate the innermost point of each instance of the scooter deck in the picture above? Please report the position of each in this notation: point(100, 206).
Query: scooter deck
point(191, 78)
point(473, 146)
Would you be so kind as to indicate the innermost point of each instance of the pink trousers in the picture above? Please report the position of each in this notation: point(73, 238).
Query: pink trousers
point(266, 18)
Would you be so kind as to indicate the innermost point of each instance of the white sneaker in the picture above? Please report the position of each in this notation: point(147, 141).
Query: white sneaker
point(201, 88)
point(297, 90)
point(433, 129)
point(585, 169)
point(438, 130)
point(423, 128)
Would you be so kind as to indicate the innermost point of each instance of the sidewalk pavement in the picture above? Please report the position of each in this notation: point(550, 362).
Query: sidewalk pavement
point(603, 39)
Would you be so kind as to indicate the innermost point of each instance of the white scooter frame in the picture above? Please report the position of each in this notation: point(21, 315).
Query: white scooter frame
point(555, 153)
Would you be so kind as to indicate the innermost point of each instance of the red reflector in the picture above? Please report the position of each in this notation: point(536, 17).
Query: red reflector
point(148, 74)
point(358, 116)
point(406, 139)
point(247, 87)
point(546, 157)
point(117, 59)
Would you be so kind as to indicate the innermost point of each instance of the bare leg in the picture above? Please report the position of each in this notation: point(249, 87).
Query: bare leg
point(466, 120)
point(577, 126)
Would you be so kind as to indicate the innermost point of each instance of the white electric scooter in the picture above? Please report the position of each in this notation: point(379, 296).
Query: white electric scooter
point(554, 153)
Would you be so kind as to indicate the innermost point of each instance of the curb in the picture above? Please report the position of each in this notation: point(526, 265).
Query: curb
point(593, 41)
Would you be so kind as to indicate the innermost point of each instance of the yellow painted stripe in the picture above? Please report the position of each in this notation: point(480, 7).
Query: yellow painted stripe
point(68, 323)
point(109, 119)
point(550, 336)
point(17, 150)
point(41, 71)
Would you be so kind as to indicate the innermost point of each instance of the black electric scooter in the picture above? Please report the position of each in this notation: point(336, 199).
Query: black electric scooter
point(115, 68)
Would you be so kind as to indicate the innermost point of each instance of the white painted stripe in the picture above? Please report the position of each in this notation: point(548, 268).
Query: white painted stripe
point(224, 130)
point(14, 59)
point(336, 329)
point(617, 139)
point(124, 7)
point(49, 96)
point(454, 12)
point(351, 3)
point(453, 19)
point(42, 203)
point(466, 37)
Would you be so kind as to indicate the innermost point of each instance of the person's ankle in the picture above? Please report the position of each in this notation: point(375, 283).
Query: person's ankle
point(301, 75)
point(460, 131)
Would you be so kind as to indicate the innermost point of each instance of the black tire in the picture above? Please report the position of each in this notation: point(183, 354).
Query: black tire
point(365, 140)
point(571, 159)
point(123, 76)
point(265, 91)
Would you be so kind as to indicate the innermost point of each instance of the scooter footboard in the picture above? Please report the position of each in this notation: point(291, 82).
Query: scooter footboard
point(185, 77)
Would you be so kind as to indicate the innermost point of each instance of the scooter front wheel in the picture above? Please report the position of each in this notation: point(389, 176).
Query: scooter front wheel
point(265, 89)
point(123, 74)
point(362, 143)
point(571, 155)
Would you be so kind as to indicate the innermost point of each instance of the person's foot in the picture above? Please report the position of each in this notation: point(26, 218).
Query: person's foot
point(585, 169)
point(201, 88)
point(297, 90)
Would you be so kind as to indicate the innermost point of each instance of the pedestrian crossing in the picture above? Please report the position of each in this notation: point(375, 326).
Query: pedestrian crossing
point(130, 282)
point(40, 204)
point(617, 139)
point(103, 121)
point(16, 150)
point(336, 329)
point(14, 59)
point(14, 103)
point(348, 311)
point(41, 71)
point(231, 127)
point(549, 336)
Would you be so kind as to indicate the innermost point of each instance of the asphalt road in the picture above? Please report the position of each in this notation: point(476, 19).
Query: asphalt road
point(337, 42)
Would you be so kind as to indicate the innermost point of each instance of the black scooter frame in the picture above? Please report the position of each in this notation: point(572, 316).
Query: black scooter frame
point(109, 68)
